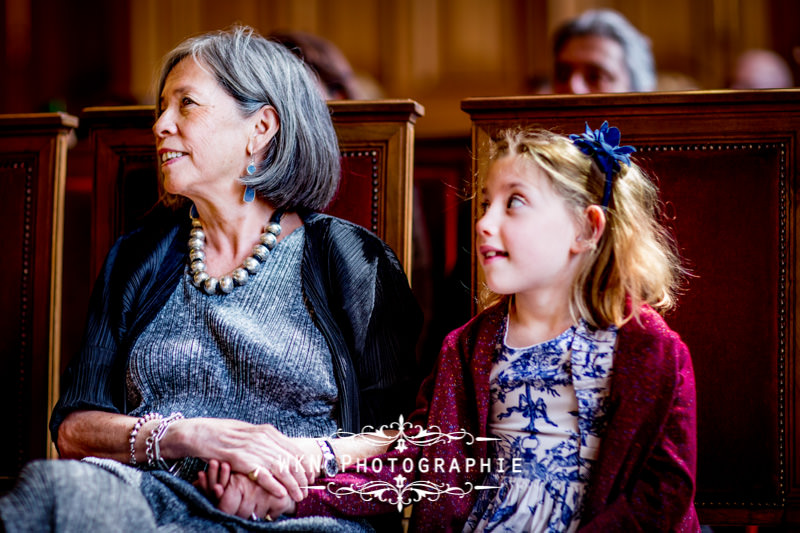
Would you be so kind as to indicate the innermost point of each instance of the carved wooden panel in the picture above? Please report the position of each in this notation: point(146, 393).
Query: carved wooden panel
point(16, 329)
point(384, 129)
point(125, 184)
point(726, 164)
point(358, 198)
point(728, 206)
point(32, 175)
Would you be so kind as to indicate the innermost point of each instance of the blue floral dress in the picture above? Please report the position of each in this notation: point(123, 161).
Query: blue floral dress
point(548, 414)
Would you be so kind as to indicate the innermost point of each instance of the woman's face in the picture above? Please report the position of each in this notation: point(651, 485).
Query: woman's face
point(201, 136)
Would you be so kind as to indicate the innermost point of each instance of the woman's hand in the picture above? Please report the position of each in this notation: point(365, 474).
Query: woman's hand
point(262, 451)
point(236, 494)
point(259, 452)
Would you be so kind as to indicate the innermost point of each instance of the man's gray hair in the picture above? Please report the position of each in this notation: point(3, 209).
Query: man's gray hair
point(300, 167)
point(609, 23)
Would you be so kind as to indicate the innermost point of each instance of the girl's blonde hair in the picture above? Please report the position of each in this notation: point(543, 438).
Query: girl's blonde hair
point(635, 259)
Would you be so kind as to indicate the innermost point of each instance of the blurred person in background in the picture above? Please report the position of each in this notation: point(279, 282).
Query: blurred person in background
point(601, 52)
point(337, 77)
point(761, 69)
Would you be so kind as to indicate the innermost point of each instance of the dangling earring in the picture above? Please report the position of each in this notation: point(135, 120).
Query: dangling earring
point(249, 192)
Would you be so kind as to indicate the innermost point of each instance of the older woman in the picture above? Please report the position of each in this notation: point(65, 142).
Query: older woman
point(273, 327)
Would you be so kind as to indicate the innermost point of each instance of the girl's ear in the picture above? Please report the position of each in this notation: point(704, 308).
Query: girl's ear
point(594, 224)
point(266, 124)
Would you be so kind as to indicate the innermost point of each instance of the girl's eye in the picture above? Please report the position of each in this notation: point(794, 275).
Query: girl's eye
point(484, 207)
point(515, 201)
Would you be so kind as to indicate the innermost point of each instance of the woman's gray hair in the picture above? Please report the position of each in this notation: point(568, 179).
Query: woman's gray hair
point(300, 166)
point(609, 23)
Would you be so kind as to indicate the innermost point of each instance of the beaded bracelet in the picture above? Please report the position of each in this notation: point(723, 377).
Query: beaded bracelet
point(152, 450)
point(135, 431)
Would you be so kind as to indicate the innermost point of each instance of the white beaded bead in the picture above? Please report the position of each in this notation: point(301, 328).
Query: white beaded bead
point(240, 275)
point(226, 284)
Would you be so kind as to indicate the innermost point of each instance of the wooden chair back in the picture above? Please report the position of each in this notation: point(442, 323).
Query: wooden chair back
point(33, 157)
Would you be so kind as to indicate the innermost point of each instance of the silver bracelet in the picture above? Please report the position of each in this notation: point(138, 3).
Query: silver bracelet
point(135, 431)
point(152, 450)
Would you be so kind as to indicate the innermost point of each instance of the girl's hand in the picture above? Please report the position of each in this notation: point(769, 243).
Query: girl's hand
point(261, 453)
point(214, 479)
point(236, 494)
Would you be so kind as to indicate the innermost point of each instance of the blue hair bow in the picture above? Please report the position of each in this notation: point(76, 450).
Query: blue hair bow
point(603, 146)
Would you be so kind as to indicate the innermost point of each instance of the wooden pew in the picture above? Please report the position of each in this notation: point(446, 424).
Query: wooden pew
point(727, 165)
point(33, 156)
point(376, 139)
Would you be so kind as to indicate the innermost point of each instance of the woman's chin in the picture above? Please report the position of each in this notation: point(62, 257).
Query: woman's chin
point(174, 187)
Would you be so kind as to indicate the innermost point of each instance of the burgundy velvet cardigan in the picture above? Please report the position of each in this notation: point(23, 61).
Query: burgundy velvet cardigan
point(644, 477)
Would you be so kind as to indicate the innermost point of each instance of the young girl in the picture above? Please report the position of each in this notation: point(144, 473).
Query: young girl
point(587, 393)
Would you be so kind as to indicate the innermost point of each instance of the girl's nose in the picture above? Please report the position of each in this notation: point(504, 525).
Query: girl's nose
point(485, 225)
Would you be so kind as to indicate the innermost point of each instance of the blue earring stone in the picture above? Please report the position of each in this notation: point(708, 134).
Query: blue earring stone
point(249, 194)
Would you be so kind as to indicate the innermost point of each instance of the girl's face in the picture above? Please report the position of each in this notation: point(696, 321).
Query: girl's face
point(201, 135)
point(528, 238)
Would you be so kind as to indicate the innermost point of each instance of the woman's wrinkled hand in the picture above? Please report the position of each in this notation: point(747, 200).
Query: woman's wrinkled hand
point(262, 454)
point(234, 493)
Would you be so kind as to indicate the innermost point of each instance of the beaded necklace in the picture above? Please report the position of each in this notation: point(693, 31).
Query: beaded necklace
point(240, 275)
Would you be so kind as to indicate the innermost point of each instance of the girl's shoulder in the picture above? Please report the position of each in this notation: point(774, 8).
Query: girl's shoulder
point(649, 325)
point(649, 339)
point(483, 331)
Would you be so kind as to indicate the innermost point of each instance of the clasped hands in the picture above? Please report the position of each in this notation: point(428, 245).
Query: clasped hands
point(240, 494)
point(255, 471)
point(263, 480)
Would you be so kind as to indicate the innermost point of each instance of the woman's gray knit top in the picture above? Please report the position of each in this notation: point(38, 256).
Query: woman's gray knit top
point(253, 355)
